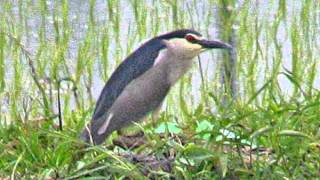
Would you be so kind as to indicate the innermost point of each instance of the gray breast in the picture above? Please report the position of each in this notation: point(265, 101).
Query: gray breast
point(142, 96)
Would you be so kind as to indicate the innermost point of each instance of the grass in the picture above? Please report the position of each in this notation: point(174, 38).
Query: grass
point(270, 131)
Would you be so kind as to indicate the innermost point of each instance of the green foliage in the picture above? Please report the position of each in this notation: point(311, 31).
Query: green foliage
point(271, 131)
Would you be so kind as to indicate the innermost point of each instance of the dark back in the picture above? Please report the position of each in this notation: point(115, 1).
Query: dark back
point(132, 67)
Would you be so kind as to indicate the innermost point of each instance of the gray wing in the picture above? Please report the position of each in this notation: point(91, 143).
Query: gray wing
point(140, 97)
point(131, 68)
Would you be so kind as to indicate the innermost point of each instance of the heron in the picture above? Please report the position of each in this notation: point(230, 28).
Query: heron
point(141, 82)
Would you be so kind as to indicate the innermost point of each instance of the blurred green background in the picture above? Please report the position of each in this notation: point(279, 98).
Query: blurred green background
point(254, 113)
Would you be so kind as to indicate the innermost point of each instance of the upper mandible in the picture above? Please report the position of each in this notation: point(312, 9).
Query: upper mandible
point(137, 63)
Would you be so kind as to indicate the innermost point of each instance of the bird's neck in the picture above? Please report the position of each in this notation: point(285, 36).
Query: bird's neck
point(174, 65)
point(178, 69)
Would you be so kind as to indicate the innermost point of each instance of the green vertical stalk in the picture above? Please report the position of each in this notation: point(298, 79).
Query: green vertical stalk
point(16, 88)
point(140, 14)
point(175, 13)
point(227, 33)
point(105, 41)
point(41, 64)
point(2, 65)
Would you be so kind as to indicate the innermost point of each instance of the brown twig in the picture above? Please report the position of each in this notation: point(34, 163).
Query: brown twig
point(34, 74)
point(74, 89)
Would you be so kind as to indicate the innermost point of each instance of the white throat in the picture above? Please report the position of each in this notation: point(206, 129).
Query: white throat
point(174, 65)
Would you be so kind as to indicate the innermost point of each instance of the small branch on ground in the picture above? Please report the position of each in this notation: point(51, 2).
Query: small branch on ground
point(33, 71)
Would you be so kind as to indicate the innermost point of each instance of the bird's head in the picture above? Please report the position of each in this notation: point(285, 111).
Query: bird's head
point(189, 43)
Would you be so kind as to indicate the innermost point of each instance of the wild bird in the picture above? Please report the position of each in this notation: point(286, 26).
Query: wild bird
point(141, 82)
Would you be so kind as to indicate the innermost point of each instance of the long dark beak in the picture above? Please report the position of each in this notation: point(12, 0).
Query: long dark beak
point(214, 44)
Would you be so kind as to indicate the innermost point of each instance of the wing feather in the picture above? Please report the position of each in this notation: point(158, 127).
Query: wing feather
point(132, 67)
point(136, 64)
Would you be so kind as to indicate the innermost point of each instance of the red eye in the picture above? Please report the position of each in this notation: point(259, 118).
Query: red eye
point(190, 38)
